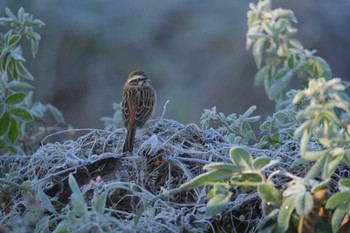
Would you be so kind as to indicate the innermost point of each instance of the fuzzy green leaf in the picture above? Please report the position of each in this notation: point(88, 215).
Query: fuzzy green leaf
point(285, 213)
point(100, 202)
point(217, 204)
point(252, 179)
point(269, 194)
point(203, 179)
point(45, 202)
point(338, 216)
point(316, 169)
point(305, 141)
point(345, 183)
point(314, 155)
point(280, 85)
point(322, 67)
point(57, 114)
point(74, 187)
point(338, 199)
point(260, 162)
point(222, 166)
point(78, 204)
point(241, 157)
point(258, 49)
point(304, 204)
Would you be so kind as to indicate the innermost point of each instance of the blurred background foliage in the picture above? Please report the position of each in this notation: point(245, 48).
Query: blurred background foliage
point(193, 51)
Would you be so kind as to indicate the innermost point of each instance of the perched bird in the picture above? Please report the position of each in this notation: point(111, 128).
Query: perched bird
point(139, 101)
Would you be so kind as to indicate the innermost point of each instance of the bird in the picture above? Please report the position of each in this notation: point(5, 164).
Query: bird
point(138, 104)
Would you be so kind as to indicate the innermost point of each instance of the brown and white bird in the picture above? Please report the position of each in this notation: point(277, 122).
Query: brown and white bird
point(139, 101)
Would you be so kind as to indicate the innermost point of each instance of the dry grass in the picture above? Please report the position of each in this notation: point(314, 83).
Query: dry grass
point(167, 154)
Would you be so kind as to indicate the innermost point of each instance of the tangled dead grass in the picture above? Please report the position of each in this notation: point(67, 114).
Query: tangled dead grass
point(167, 154)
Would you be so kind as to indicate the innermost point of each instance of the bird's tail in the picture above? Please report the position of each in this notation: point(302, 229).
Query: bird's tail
point(129, 140)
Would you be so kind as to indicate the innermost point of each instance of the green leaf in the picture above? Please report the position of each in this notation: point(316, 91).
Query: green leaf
point(294, 190)
point(35, 46)
point(203, 179)
point(22, 70)
point(14, 69)
point(316, 169)
point(314, 155)
point(10, 14)
point(4, 123)
point(100, 202)
point(299, 96)
point(269, 194)
point(285, 213)
point(19, 85)
point(304, 204)
point(338, 216)
point(280, 85)
point(252, 179)
point(78, 204)
point(74, 187)
point(338, 199)
point(258, 49)
point(13, 133)
point(17, 54)
point(322, 67)
point(6, 60)
point(305, 141)
point(241, 157)
point(13, 150)
point(217, 204)
point(260, 162)
point(15, 98)
point(65, 226)
point(57, 114)
point(14, 39)
point(249, 112)
point(345, 183)
point(333, 164)
point(45, 202)
point(223, 166)
point(22, 113)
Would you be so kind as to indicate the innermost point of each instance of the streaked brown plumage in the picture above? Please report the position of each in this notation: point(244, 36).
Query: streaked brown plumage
point(139, 101)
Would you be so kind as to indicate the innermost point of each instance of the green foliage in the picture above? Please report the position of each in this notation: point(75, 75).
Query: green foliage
point(270, 36)
point(238, 130)
point(341, 203)
point(112, 123)
point(319, 115)
point(279, 128)
point(80, 213)
point(17, 112)
point(242, 171)
point(327, 119)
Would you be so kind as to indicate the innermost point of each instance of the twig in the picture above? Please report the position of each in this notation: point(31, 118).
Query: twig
point(164, 108)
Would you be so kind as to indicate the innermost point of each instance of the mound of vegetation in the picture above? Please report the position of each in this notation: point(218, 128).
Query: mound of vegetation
point(218, 177)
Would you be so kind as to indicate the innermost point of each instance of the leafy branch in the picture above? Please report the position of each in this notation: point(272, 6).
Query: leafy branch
point(17, 112)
